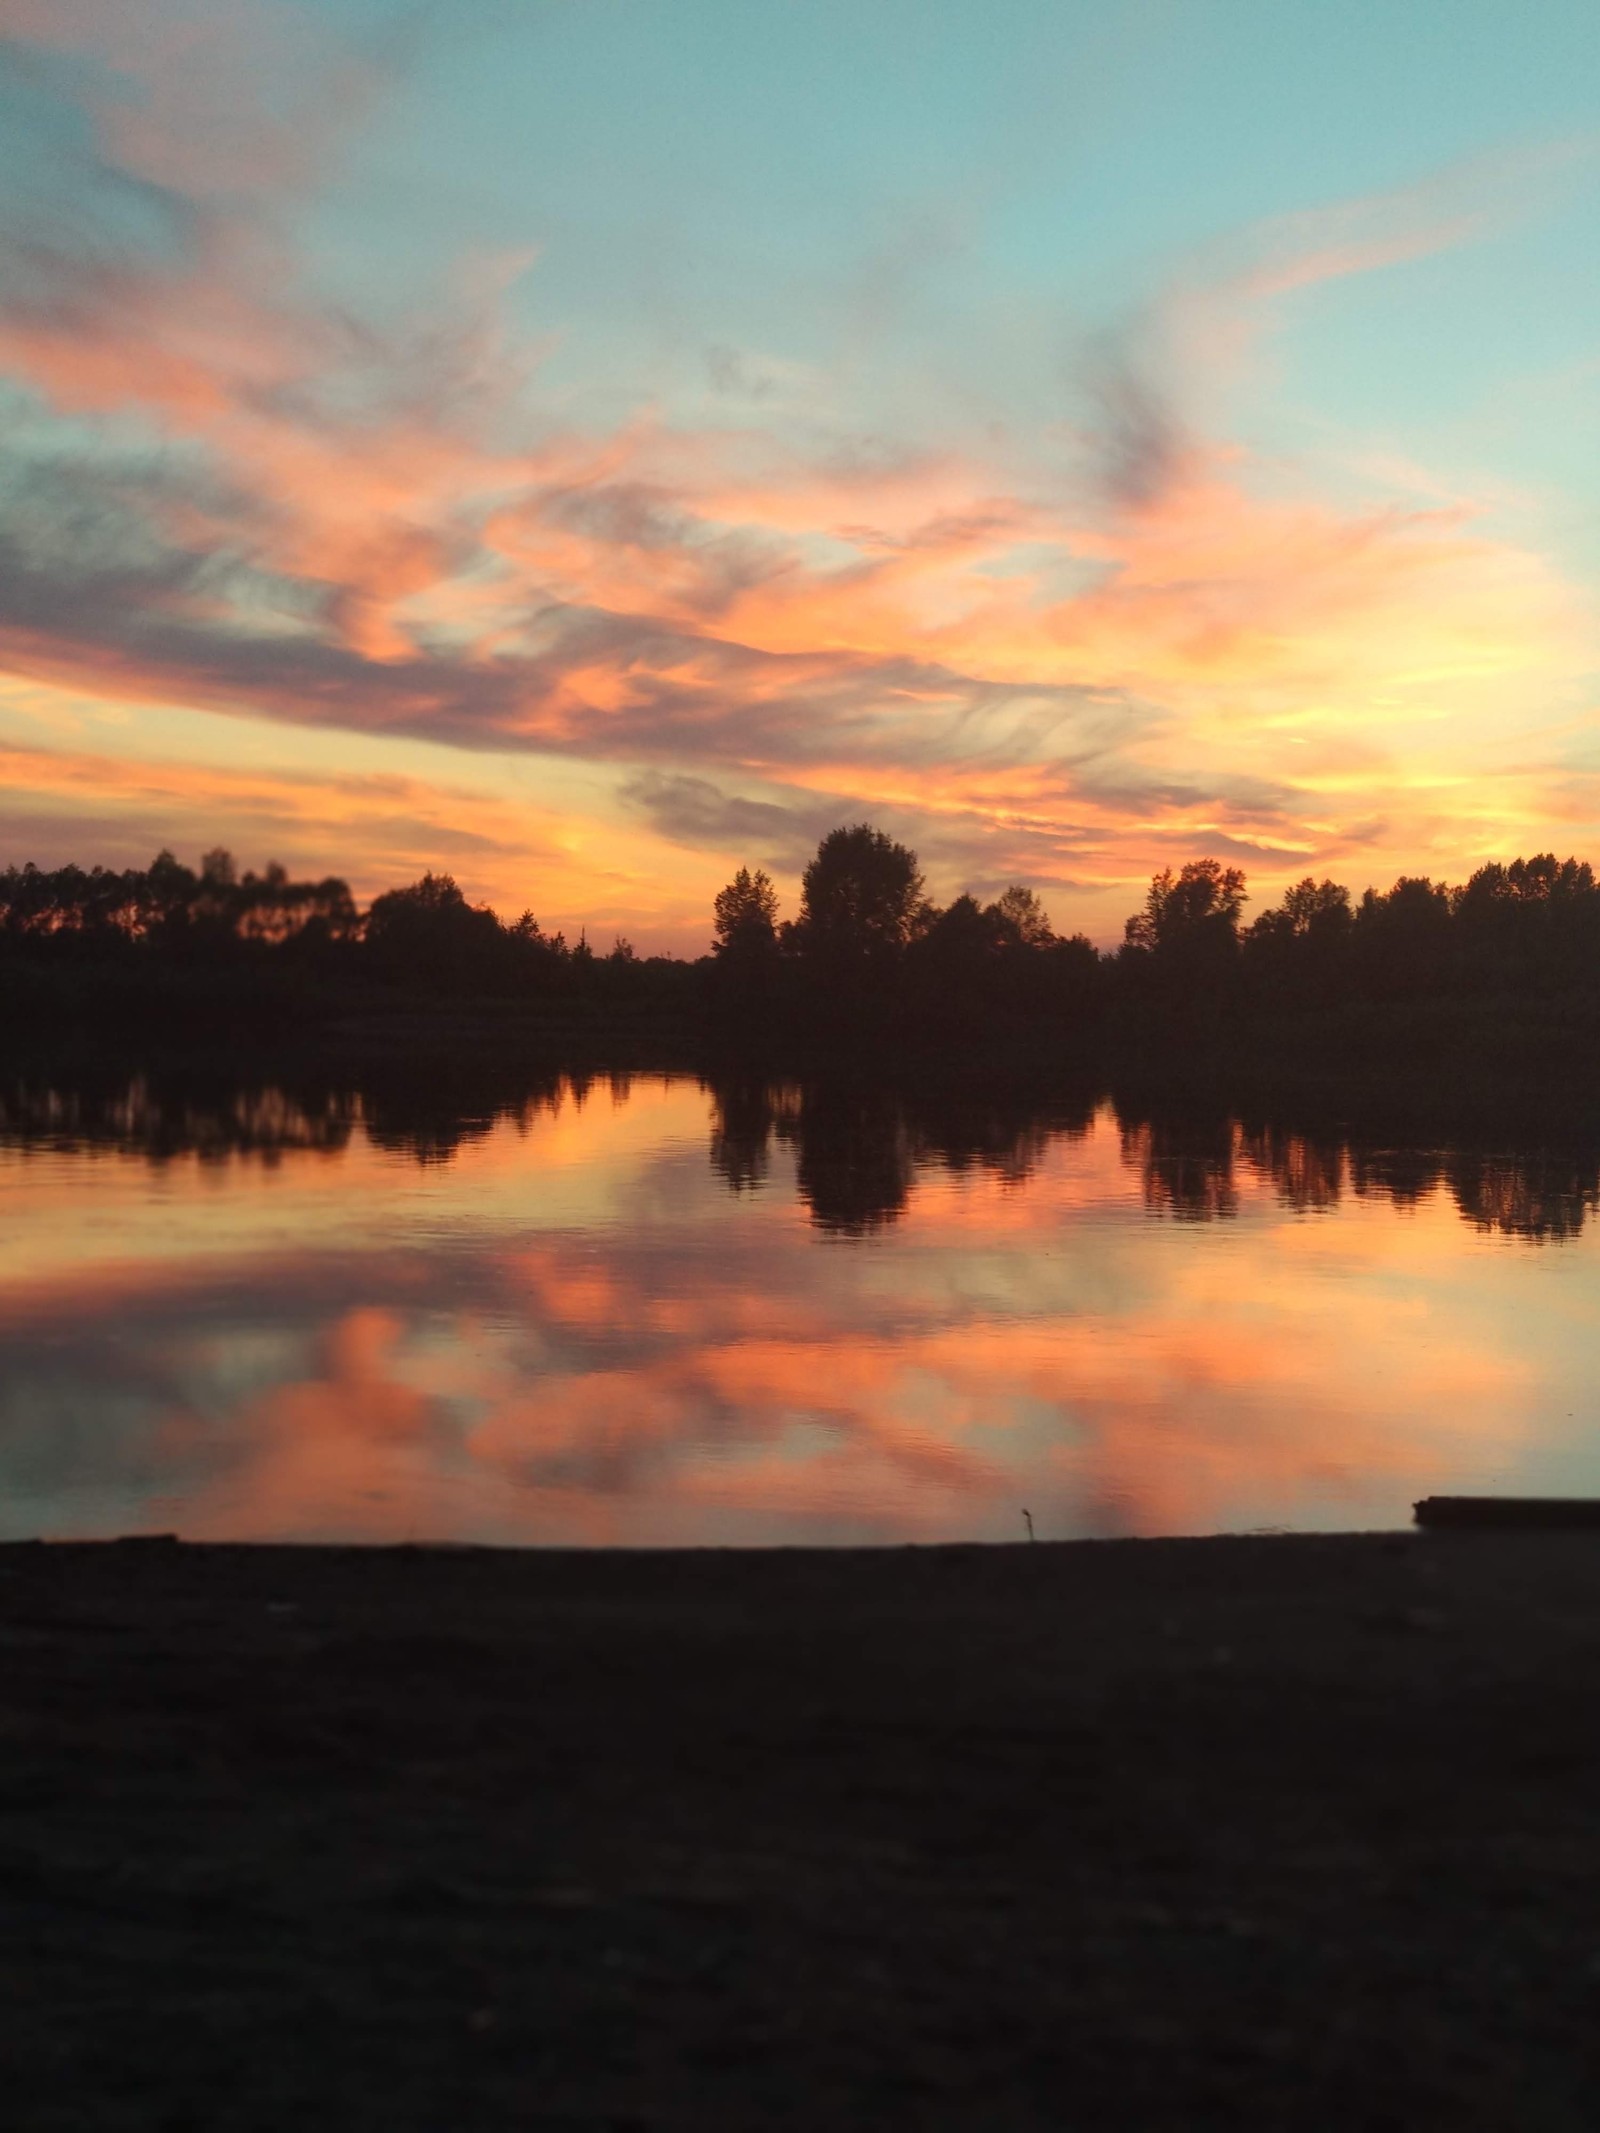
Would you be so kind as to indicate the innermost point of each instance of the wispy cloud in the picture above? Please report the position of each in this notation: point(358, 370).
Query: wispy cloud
point(225, 491)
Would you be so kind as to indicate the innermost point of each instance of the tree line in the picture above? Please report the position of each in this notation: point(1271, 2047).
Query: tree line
point(426, 937)
point(1527, 927)
point(866, 930)
point(868, 949)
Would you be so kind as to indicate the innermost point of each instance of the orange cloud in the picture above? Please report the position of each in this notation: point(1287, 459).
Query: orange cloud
point(392, 532)
point(1174, 1423)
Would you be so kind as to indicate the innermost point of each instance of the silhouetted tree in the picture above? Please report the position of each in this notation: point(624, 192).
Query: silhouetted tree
point(1530, 926)
point(1021, 917)
point(745, 919)
point(430, 934)
point(861, 899)
point(1205, 898)
point(270, 908)
point(745, 951)
point(959, 968)
point(171, 890)
point(1180, 952)
point(1300, 951)
point(1402, 941)
point(1310, 910)
point(964, 934)
point(170, 908)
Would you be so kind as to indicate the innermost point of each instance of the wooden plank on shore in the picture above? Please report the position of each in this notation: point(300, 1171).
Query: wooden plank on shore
point(1509, 1513)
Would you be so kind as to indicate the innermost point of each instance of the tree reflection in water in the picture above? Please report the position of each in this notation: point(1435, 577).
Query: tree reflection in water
point(1543, 1193)
point(859, 1145)
point(860, 1149)
point(214, 1117)
point(543, 1307)
point(1185, 1163)
point(1307, 1169)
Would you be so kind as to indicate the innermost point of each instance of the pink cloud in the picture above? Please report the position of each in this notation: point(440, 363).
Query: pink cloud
point(394, 535)
point(206, 98)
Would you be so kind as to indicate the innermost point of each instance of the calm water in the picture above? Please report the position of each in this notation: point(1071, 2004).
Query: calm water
point(644, 1311)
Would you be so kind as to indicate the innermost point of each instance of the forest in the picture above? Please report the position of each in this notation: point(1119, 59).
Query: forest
point(868, 956)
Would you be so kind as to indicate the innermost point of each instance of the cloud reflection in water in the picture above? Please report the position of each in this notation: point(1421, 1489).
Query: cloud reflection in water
point(651, 1312)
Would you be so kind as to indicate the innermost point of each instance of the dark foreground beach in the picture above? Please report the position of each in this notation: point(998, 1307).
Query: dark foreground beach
point(1275, 1832)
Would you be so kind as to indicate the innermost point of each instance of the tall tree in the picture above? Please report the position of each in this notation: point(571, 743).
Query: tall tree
point(429, 934)
point(745, 917)
point(1206, 894)
point(862, 896)
point(1022, 918)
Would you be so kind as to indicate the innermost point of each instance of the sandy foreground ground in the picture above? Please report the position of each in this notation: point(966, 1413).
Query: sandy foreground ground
point(1271, 1832)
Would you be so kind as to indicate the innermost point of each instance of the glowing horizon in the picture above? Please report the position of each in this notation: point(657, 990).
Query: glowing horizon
point(604, 446)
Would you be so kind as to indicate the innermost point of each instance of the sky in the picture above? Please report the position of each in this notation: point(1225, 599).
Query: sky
point(588, 445)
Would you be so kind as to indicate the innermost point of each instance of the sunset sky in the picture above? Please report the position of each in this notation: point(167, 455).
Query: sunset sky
point(589, 444)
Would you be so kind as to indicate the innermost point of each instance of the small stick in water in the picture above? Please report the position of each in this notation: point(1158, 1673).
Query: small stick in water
point(1027, 1519)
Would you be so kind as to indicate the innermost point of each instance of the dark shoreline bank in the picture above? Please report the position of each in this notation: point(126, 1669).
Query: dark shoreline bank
point(483, 1057)
point(1260, 1831)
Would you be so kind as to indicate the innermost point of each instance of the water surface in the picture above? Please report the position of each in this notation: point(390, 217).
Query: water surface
point(647, 1311)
